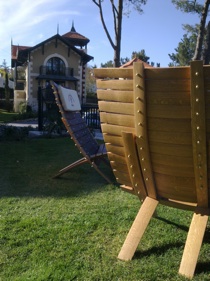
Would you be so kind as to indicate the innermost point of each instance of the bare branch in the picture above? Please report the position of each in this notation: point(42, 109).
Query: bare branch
point(103, 22)
point(114, 12)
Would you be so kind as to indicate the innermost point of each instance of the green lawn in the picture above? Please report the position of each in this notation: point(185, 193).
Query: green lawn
point(73, 228)
point(7, 116)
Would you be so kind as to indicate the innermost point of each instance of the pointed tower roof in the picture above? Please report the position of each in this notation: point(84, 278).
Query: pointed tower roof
point(72, 28)
point(75, 38)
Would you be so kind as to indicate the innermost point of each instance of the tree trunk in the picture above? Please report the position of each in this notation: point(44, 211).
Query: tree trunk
point(200, 39)
point(206, 55)
point(118, 32)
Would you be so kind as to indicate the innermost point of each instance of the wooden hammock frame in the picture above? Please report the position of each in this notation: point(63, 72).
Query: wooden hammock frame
point(156, 129)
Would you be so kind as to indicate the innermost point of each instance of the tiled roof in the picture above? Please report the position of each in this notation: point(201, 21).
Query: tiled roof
point(16, 48)
point(130, 63)
point(75, 37)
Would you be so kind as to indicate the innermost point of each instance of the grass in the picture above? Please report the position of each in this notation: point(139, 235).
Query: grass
point(6, 116)
point(73, 228)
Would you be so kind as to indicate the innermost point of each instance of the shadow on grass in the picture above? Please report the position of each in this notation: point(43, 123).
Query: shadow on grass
point(202, 267)
point(182, 227)
point(157, 250)
point(82, 181)
point(27, 168)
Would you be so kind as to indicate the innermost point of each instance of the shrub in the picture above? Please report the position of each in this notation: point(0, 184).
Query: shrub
point(11, 133)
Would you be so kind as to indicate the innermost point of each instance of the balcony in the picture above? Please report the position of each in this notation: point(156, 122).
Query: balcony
point(64, 71)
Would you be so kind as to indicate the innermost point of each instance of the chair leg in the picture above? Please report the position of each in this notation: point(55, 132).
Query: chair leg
point(101, 173)
point(71, 166)
point(193, 244)
point(138, 228)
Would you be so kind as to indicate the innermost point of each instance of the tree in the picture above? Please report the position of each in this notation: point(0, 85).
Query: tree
point(140, 55)
point(118, 11)
point(107, 64)
point(5, 71)
point(186, 48)
point(194, 7)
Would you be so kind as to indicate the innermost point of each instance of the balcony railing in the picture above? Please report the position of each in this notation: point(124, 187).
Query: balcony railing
point(65, 71)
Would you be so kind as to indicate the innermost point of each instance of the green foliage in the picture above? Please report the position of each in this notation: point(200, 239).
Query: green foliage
point(73, 228)
point(188, 6)
point(140, 55)
point(184, 51)
point(107, 64)
point(12, 133)
point(186, 48)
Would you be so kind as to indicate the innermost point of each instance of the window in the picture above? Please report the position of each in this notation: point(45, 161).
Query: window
point(55, 66)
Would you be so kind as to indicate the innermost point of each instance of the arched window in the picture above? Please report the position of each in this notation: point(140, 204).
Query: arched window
point(55, 66)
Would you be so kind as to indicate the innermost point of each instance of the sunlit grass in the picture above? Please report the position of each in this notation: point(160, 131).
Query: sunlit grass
point(73, 228)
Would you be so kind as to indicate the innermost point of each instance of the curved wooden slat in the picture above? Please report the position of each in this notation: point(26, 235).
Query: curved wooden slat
point(117, 107)
point(113, 72)
point(114, 95)
point(114, 84)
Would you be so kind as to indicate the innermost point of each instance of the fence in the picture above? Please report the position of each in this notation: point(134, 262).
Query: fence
point(46, 104)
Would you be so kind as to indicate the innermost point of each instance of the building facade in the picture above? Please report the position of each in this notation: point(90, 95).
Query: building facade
point(61, 58)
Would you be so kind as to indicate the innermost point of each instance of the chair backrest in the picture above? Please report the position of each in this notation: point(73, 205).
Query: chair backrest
point(156, 129)
point(74, 123)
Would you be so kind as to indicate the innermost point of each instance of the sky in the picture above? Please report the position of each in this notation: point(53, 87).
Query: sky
point(158, 30)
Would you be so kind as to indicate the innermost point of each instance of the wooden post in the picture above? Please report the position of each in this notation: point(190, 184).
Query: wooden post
point(141, 128)
point(138, 228)
point(193, 244)
point(198, 125)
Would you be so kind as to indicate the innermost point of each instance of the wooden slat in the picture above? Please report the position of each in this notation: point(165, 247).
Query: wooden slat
point(119, 166)
point(127, 189)
point(167, 85)
point(167, 73)
point(179, 204)
point(141, 129)
point(168, 125)
point(119, 150)
point(199, 132)
point(115, 84)
point(113, 73)
point(113, 139)
point(176, 187)
point(169, 98)
point(169, 170)
point(165, 111)
point(116, 107)
point(134, 169)
point(170, 137)
point(117, 158)
point(114, 95)
point(206, 71)
point(182, 196)
point(171, 149)
point(115, 130)
point(172, 160)
point(122, 178)
point(117, 119)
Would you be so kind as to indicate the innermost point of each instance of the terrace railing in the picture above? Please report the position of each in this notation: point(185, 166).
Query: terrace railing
point(64, 71)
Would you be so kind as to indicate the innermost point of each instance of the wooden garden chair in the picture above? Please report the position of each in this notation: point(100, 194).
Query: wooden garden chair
point(156, 127)
point(93, 152)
